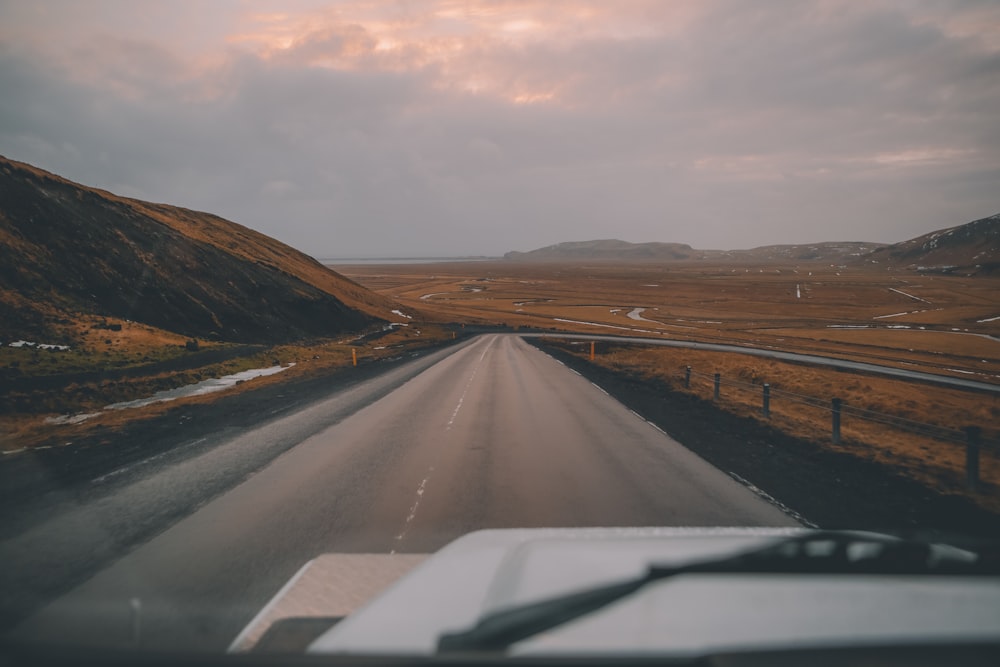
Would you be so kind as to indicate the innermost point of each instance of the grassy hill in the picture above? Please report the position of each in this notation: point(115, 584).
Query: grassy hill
point(970, 248)
point(68, 252)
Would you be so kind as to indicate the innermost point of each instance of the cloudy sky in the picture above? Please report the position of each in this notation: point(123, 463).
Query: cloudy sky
point(443, 127)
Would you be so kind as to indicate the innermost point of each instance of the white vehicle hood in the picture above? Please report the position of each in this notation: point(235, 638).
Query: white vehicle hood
point(491, 570)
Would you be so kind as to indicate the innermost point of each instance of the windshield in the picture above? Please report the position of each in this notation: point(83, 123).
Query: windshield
point(295, 295)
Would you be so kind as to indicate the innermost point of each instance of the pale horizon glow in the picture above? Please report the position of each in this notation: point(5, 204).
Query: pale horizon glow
point(364, 128)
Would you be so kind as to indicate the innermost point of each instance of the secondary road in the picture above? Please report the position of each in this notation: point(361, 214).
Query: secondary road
point(494, 434)
point(795, 357)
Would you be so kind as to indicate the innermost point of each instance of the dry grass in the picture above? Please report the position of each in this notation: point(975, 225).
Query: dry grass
point(794, 307)
point(21, 430)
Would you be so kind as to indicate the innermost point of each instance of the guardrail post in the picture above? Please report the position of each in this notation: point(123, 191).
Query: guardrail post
point(972, 434)
point(766, 410)
point(835, 409)
point(718, 378)
point(687, 377)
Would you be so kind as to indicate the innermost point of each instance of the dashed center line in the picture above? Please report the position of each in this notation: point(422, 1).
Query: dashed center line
point(423, 483)
point(413, 510)
point(461, 399)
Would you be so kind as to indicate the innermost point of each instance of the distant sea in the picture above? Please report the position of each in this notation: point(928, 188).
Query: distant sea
point(345, 261)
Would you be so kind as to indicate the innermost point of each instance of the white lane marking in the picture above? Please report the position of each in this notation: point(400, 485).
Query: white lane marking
point(576, 371)
point(774, 501)
point(416, 504)
point(423, 483)
point(637, 414)
point(461, 399)
point(118, 471)
point(657, 428)
point(601, 389)
point(413, 510)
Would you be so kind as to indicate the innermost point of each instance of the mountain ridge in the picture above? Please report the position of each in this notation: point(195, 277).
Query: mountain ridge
point(616, 249)
point(972, 247)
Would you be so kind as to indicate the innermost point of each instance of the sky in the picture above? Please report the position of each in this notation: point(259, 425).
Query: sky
point(448, 127)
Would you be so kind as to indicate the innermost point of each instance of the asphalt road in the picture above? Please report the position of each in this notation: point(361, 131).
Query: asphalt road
point(490, 434)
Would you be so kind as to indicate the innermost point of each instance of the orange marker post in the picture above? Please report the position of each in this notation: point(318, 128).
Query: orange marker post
point(354, 356)
point(591, 350)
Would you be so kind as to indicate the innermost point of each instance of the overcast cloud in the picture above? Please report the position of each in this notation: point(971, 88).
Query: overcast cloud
point(450, 127)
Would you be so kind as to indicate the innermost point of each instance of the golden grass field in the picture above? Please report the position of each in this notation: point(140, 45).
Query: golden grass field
point(936, 323)
point(788, 307)
point(137, 344)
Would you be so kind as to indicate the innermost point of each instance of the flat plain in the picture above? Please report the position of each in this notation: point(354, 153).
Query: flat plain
point(943, 324)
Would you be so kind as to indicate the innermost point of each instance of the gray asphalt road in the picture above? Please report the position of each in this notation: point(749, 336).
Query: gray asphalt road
point(495, 434)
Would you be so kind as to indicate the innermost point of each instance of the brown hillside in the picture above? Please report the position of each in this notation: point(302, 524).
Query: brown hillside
point(972, 248)
point(67, 249)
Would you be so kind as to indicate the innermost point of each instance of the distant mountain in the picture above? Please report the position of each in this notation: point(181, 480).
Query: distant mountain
point(625, 251)
point(970, 248)
point(827, 251)
point(607, 249)
point(68, 250)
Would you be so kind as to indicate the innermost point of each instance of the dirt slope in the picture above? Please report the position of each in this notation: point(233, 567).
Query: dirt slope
point(68, 250)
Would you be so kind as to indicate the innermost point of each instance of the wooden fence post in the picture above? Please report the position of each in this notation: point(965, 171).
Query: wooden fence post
point(718, 378)
point(687, 377)
point(767, 401)
point(972, 435)
point(835, 409)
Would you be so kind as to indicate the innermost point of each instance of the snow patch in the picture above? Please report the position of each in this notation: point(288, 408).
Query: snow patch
point(989, 319)
point(402, 314)
point(40, 346)
point(71, 419)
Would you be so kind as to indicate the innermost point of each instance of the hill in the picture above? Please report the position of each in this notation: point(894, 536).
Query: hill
point(624, 251)
point(67, 251)
point(970, 248)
